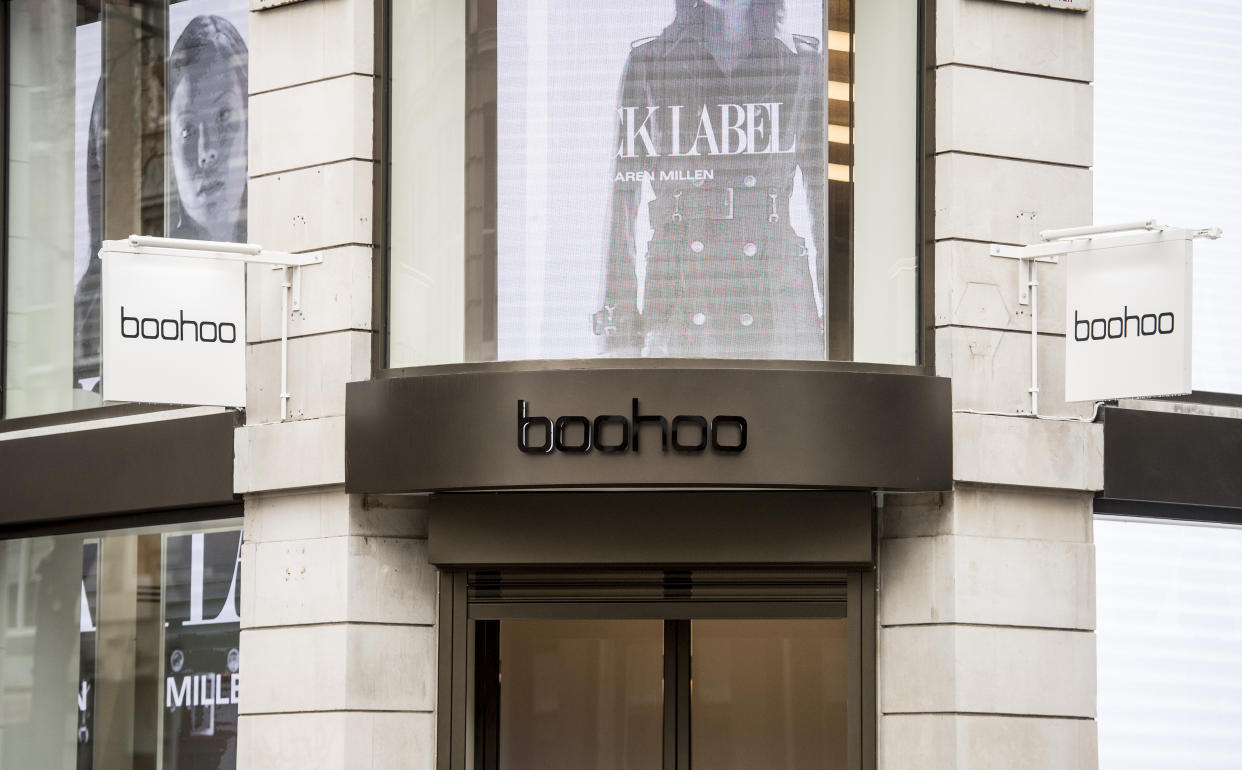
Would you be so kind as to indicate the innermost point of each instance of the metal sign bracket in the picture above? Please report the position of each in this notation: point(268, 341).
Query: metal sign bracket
point(250, 253)
point(1067, 241)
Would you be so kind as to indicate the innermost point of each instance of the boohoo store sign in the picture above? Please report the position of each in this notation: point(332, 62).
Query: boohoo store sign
point(173, 328)
point(1128, 316)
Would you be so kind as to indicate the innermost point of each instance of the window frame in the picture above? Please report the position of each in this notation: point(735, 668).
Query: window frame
point(106, 410)
point(458, 614)
point(924, 215)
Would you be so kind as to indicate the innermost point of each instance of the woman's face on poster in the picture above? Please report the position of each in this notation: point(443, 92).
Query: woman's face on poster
point(208, 113)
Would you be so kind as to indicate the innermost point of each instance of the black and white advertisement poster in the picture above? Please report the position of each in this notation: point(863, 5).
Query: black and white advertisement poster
point(204, 164)
point(202, 679)
point(660, 178)
point(199, 676)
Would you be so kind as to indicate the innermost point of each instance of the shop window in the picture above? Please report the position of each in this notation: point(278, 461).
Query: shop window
point(123, 118)
point(689, 669)
point(1177, 157)
point(120, 649)
point(654, 178)
point(1169, 638)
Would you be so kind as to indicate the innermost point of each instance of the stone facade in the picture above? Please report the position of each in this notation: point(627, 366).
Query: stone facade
point(986, 649)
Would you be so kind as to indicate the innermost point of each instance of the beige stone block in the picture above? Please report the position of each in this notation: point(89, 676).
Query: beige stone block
point(1023, 451)
point(300, 453)
point(311, 40)
point(319, 366)
point(974, 288)
point(987, 670)
point(1035, 514)
point(392, 668)
point(1013, 116)
point(991, 199)
point(1016, 37)
point(340, 579)
point(914, 514)
point(313, 208)
point(977, 742)
point(311, 513)
point(347, 740)
point(991, 581)
point(991, 371)
point(338, 667)
point(991, 511)
point(294, 741)
point(294, 669)
point(310, 125)
point(401, 740)
point(391, 581)
point(336, 295)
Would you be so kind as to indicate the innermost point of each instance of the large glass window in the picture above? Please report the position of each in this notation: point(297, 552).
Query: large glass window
point(1169, 631)
point(654, 178)
point(1168, 111)
point(123, 118)
point(120, 649)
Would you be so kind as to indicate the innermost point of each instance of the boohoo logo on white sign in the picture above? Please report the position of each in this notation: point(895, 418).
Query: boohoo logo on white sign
point(174, 328)
point(1127, 318)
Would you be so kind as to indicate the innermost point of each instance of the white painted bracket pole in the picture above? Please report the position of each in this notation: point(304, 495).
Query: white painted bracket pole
point(290, 286)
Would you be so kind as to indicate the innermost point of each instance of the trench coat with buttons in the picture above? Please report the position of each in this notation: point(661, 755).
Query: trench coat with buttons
point(726, 275)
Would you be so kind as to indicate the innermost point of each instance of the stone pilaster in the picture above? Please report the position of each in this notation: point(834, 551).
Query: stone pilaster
point(986, 606)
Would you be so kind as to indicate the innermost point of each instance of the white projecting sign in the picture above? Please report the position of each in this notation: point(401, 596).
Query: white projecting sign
point(174, 328)
point(1127, 317)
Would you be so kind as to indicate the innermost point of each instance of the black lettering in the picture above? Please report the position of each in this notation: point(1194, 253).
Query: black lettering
point(202, 330)
point(193, 325)
point(724, 419)
point(1137, 324)
point(155, 335)
point(524, 424)
point(164, 326)
point(639, 419)
point(1103, 326)
point(232, 332)
point(563, 423)
point(1077, 323)
point(690, 419)
point(612, 419)
point(125, 318)
point(1120, 332)
point(1143, 325)
point(1160, 323)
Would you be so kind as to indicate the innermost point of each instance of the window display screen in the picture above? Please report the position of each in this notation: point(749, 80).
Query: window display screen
point(154, 143)
point(660, 179)
point(652, 179)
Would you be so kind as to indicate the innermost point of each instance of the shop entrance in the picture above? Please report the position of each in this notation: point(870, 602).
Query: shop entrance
point(659, 670)
point(655, 631)
point(629, 694)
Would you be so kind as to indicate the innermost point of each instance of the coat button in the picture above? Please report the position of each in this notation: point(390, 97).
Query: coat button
point(750, 249)
point(699, 319)
point(750, 180)
point(746, 318)
point(696, 246)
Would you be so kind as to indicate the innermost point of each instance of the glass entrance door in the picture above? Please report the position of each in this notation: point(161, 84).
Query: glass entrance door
point(660, 694)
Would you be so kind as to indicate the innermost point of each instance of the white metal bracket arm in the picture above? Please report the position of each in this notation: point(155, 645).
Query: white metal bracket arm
point(250, 253)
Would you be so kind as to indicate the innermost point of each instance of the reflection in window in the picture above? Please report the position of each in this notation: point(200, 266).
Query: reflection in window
point(155, 144)
point(109, 642)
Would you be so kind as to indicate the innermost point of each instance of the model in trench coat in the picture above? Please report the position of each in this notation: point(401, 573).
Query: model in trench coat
point(726, 274)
